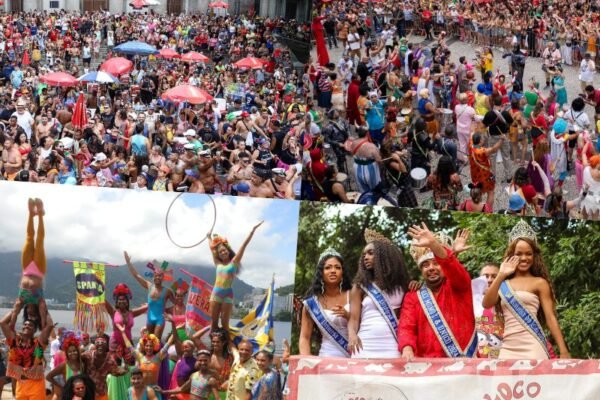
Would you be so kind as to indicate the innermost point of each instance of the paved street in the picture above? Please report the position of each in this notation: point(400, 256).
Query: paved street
point(533, 69)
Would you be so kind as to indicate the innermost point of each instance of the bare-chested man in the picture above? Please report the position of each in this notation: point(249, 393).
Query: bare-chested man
point(246, 125)
point(367, 160)
point(189, 157)
point(11, 157)
point(42, 128)
point(259, 187)
point(242, 171)
point(208, 176)
point(193, 177)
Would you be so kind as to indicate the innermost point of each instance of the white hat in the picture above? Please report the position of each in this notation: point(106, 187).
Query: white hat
point(100, 157)
point(190, 132)
point(188, 146)
point(67, 142)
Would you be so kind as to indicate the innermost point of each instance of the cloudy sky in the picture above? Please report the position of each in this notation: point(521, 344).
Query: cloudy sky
point(98, 224)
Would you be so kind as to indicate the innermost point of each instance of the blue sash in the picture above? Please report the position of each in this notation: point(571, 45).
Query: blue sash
point(381, 302)
point(314, 309)
point(523, 315)
point(442, 330)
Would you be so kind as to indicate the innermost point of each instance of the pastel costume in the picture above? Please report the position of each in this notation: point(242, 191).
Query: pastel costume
point(591, 202)
point(561, 91)
point(374, 332)
point(200, 387)
point(455, 303)
point(156, 308)
point(518, 343)
point(222, 291)
point(116, 343)
point(33, 260)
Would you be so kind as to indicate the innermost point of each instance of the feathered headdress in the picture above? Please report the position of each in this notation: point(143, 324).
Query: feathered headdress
point(522, 230)
point(68, 339)
point(180, 285)
point(167, 273)
point(121, 290)
point(422, 254)
point(152, 339)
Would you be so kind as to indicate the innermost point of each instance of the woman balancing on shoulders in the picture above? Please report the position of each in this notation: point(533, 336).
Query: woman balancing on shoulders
point(33, 263)
point(524, 292)
point(375, 298)
point(327, 305)
point(228, 265)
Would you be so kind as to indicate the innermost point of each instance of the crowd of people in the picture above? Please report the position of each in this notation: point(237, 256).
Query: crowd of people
point(243, 140)
point(381, 313)
point(409, 123)
point(168, 362)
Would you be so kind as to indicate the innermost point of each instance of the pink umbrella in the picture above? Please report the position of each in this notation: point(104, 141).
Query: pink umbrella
point(168, 53)
point(188, 93)
point(194, 56)
point(250, 63)
point(116, 66)
point(219, 4)
point(79, 119)
point(59, 79)
point(138, 4)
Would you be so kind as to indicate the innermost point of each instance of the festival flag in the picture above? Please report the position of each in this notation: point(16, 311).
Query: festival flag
point(90, 311)
point(197, 310)
point(257, 326)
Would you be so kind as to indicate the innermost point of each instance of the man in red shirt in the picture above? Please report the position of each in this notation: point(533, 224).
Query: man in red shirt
point(438, 320)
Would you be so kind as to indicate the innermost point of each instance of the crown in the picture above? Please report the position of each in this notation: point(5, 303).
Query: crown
point(330, 253)
point(421, 254)
point(522, 230)
point(374, 236)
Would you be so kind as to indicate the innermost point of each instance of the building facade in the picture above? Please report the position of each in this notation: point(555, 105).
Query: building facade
point(290, 9)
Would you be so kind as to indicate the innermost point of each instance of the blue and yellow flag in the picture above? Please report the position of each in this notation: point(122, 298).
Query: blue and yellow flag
point(257, 326)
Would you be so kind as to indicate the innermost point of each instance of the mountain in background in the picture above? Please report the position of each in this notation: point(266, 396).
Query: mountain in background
point(60, 281)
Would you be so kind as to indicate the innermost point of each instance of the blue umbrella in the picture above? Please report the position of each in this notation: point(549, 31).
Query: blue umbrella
point(98, 76)
point(135, 47)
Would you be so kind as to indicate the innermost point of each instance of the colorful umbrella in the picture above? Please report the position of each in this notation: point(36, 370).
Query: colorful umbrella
point(194, 56)
point(117, 66)
point(135, 47)
point(79, 119)
point(250, 63)
point(188, 93)
point(25, 60)
point(138, 4)
point(219, 4)
point(168, 53)
point(59, 79)
point(98, 76)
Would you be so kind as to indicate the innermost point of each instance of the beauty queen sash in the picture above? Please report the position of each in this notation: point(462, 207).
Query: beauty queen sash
point(383, 305)
point(315, 311)
point(442, 330)
point(529, 321)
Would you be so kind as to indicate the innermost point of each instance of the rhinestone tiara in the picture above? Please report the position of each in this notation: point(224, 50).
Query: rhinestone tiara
point(522, 230)
point(330, 252)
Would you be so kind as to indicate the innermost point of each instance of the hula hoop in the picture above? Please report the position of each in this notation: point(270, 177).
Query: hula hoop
point(167, 222)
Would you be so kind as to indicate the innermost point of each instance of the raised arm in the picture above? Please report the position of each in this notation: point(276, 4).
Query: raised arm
point(140, 310)
point(237, 260)
point(8, 332)
point(506, 269)
point(144, 283)
point(109, 309)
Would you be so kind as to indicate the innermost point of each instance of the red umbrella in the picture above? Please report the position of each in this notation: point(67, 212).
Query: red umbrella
point(250, 63)
point(219, 4)
point(138, 4)
point(25, 60)
point(194, 56)
point(168, 53)
point(59, 79)
point(117, 66)
point(79, 119)
point(188, 93)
